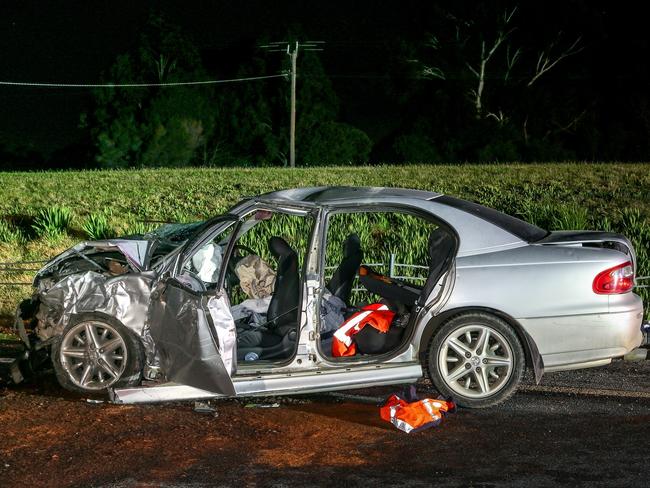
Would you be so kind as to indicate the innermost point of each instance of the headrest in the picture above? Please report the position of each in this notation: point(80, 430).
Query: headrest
point(279, 247)
point(352, 245)
point(438, 236)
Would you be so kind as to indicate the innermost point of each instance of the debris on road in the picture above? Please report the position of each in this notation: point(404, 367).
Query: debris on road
point(374, 400)
point(410, 414)
point(262, 405)
point(204, 407)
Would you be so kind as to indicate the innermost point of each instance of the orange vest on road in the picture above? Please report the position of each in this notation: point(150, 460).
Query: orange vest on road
point(376, 315)
point(415, 416)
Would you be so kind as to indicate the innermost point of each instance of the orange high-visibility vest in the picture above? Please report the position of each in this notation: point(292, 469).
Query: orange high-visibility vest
point(415, 416)
point(376, 315)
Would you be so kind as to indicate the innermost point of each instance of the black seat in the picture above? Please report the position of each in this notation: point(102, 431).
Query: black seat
point(282, 314)
point(277, 338)
point(343, 278)
point(442, 250)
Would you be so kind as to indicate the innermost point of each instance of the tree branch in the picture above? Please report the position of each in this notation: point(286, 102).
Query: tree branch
point(545, 62)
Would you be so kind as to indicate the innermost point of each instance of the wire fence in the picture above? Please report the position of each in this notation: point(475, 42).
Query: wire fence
point(19, 267)
point(393, 268)
point(642, 279)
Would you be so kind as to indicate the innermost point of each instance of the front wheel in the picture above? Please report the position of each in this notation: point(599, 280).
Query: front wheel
point(477, 359)
point(95, 353)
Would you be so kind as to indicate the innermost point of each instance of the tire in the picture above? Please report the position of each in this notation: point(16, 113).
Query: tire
point(114, 359)
point(474, 374)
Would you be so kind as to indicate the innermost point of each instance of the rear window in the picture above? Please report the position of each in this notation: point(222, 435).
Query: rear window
point(525, 231)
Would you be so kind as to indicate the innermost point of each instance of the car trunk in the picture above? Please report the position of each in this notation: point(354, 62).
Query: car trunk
point(585, 238)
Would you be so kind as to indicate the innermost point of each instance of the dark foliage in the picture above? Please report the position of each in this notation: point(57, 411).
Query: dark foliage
point(565, 81)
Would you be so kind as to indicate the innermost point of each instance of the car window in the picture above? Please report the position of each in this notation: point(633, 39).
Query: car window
point(176, 232)
point(393, 244)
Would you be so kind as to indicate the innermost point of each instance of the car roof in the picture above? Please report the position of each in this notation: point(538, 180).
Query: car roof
point(331, 195)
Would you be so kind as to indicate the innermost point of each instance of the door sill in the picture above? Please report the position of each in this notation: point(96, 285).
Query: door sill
point(278, 384)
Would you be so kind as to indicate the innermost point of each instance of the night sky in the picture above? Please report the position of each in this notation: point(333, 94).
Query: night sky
point(51, 41)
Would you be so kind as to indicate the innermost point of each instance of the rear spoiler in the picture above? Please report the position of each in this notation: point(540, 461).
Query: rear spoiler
point(587, 238)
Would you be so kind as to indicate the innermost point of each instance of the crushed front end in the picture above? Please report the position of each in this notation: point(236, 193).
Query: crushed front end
point(109, 277)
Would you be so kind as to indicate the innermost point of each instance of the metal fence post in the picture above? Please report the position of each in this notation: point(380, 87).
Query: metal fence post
point(391, 266)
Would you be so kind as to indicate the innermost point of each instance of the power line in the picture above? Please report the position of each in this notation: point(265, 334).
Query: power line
point(136, 85)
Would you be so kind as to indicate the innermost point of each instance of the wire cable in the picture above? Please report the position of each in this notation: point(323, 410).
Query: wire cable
point(135, 85)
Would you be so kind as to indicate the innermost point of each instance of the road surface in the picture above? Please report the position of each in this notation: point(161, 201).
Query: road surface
point(582, 428)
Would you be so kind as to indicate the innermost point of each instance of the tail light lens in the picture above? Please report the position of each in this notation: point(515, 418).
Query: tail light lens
point(619, 279)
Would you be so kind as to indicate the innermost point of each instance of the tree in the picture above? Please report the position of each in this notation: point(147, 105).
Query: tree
point(254, 123)
point(490, 79)
point(153, 126)
point(320, 138)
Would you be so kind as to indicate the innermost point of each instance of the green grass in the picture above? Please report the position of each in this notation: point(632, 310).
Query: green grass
point(556, 196)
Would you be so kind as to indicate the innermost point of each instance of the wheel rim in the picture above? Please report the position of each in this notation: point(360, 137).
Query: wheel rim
point(476, 361)
point(94, 355)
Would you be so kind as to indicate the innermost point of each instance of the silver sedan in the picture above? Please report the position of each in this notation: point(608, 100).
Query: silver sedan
point(498, 296)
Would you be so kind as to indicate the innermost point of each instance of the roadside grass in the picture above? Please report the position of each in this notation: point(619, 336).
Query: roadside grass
point(613, 197)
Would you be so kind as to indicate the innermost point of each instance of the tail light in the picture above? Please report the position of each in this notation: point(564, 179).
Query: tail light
point(619, 279)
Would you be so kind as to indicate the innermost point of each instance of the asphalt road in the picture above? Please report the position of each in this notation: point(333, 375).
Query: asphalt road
point(582, 428)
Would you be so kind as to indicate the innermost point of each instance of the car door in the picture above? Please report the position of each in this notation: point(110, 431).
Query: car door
point(191, 325)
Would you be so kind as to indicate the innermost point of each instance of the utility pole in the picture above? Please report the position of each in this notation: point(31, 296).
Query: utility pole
point(292, 51)
point(292, 123)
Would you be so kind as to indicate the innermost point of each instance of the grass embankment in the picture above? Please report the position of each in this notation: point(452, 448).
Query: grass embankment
point(555, 196)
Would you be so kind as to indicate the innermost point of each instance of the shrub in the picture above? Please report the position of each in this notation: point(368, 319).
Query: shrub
point(416, 147)
point(335, 143)
point(10, 234)
point(53, 221)
point(96, 227)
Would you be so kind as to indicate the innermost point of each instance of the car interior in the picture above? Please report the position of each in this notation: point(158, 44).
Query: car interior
point(263, 277)
point(358, 284)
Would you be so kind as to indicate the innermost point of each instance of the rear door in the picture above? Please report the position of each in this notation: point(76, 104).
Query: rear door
point(190, 320)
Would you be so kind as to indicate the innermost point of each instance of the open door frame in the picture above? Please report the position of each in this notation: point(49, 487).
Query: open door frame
point(194, 331)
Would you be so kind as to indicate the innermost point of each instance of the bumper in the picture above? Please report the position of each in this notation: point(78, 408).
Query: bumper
point(577, 341)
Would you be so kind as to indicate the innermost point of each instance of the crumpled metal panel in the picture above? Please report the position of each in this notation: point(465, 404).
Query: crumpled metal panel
point(124, 297)
point(191, 351)
point(137, 252)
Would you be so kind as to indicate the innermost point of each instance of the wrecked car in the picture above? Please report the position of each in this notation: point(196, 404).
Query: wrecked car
point(298, 291)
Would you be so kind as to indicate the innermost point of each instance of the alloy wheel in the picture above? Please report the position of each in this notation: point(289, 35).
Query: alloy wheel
point(94, 355)
point(475, 361)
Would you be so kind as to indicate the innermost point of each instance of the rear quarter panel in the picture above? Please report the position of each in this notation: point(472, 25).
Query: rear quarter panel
point(548, 290)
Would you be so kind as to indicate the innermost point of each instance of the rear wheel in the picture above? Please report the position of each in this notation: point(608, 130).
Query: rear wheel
point(95, 353)
point(477, 359)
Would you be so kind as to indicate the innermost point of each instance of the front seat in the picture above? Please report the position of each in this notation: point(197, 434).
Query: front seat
point(343, 278)
point(278, 337)
point(281, 316)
